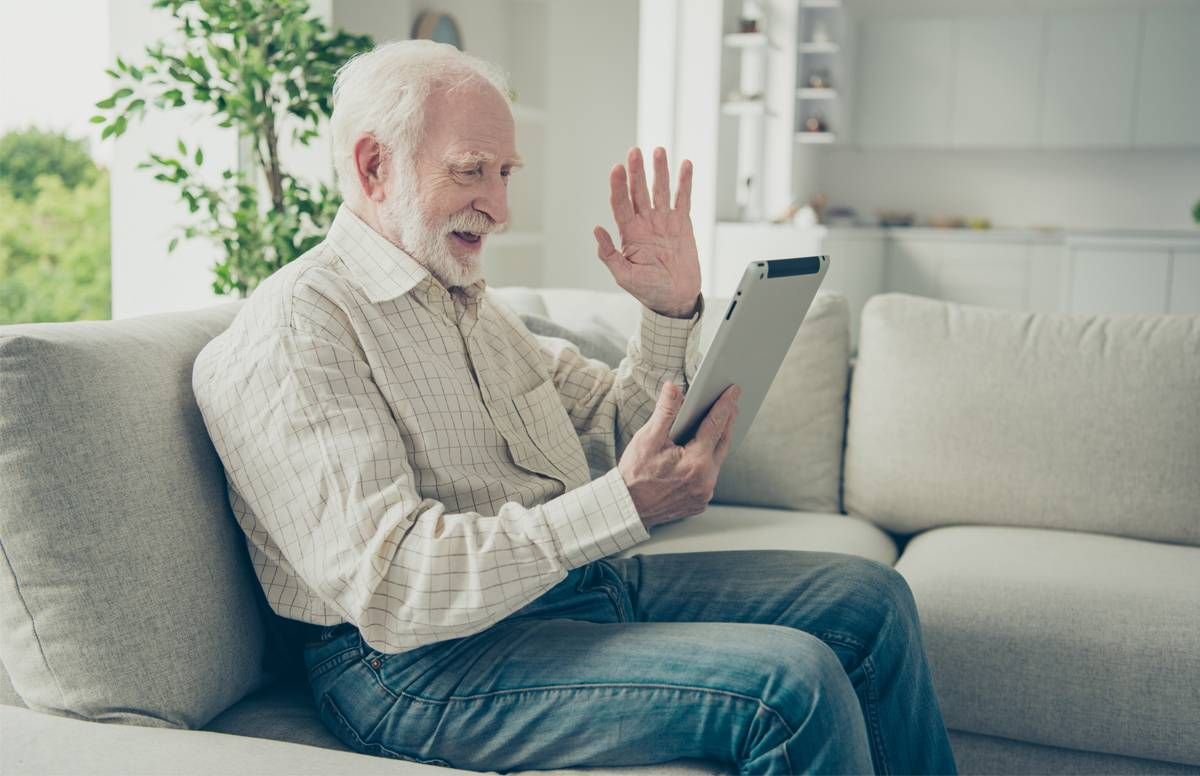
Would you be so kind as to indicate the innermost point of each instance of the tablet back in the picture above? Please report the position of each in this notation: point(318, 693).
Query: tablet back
point(762, 319)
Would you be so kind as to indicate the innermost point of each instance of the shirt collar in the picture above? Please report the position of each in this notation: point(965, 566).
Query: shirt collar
point(385, 271)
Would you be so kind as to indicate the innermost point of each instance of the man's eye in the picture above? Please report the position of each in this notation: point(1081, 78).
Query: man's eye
point(505, 172)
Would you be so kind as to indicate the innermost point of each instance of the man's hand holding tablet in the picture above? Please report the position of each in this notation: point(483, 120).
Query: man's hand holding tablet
point(668, 481)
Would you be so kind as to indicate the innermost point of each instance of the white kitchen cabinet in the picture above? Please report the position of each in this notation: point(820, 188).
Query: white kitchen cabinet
point(992, 274)
point(996, 81)
point(962, 268)
point(856, 269)
point(1049, 274)
point(1119, 281)
point(1185, 282)
point(1168, 107)
point(905, 81)
point(1088, 90)
point(913, 266)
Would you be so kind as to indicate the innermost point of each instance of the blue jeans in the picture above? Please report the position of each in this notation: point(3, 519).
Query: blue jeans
point(768, 662)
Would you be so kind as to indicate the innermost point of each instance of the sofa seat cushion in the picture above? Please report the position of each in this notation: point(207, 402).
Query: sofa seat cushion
point(125, 589)
point(962, 414)
point(33, 743)
point(723, 527)
point(283, 711)
point(1061, 638)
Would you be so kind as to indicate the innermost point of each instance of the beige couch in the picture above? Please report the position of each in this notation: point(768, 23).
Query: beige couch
point(1036, 478)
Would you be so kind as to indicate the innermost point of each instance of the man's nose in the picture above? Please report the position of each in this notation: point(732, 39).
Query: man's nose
point(493, 199)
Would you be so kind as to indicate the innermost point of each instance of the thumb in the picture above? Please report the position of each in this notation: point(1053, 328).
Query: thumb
point(605, 248)
point(670, 399)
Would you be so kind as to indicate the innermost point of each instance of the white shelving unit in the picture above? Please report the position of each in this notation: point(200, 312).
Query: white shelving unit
point(818, 47)
point(750, 40)
point(821, 29)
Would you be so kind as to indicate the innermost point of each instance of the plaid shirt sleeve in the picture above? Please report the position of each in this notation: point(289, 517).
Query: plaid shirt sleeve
point(608, 406)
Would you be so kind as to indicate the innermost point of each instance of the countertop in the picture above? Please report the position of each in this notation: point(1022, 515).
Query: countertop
point(1106, 238)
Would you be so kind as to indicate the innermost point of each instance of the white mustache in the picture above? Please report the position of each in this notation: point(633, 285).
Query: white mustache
point(474, 222)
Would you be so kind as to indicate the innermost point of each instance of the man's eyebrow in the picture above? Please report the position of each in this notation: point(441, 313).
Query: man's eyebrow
point(473, 158)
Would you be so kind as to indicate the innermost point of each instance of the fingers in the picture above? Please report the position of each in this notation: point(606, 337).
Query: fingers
point(662, 178)
point(670, 399)
point(683, 194)
point(726, 440)
point(637, 182)
point(618, 196)
point(714, 423)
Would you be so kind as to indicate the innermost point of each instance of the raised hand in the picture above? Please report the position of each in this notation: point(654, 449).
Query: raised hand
point(657, 262)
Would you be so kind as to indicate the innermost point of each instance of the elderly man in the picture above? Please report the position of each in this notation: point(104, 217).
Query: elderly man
point(411, 469)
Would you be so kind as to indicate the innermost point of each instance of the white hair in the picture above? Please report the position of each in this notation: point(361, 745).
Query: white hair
point(382, 93)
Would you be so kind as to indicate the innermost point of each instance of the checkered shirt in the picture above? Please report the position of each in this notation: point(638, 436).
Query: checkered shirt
point(414, 460)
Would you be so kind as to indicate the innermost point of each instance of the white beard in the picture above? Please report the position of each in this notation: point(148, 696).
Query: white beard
point(429, 244)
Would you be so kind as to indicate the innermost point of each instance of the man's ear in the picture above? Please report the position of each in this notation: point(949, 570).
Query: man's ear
point(370, 162)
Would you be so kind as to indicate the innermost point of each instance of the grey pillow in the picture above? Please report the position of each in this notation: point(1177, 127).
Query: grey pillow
point(125, 590)
point(597, 341)
point(963, 414)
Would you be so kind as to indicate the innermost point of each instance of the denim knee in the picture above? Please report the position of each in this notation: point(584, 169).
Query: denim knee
point(803, 678)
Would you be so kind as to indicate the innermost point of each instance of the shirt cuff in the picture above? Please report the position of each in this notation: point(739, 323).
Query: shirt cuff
point(672, 343)
point(594, 521)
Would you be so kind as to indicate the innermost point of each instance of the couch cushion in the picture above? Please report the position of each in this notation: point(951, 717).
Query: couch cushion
point(723, 527)
point(962, 414)
point(792, 456)
point(282, 711)
point(974, 753)
point(125, 591)
point(34, 743)
point(1063, 638)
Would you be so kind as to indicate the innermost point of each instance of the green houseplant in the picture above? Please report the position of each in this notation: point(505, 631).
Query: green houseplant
point(265, 67)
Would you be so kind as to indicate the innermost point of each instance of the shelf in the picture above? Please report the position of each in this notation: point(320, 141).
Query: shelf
point(816, 94)
point(744, 108)
point(524, 114)
point(750, 40)
point(818, 48)
point(820, 3)
point(814, 137)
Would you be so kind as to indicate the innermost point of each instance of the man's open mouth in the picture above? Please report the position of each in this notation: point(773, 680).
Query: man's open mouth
point(468, 237)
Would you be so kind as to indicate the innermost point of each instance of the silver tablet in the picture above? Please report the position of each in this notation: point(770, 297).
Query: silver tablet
point(764, 314)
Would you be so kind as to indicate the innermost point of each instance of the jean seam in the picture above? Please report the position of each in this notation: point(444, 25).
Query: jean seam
point(329, 663)
point(368, 744)
point(762, 705)
point(872, 710)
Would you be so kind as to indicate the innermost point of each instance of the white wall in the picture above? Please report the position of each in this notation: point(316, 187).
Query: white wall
point(592, 99)
point(146, 213)
point(1109, 189)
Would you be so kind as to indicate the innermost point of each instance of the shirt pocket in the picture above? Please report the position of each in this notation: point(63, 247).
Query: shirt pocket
point(546, 442)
